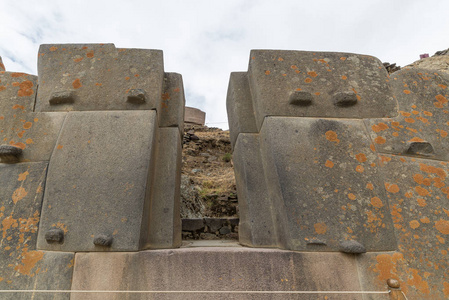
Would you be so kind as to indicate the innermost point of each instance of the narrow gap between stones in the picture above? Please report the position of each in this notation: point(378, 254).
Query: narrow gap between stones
point(209, 204)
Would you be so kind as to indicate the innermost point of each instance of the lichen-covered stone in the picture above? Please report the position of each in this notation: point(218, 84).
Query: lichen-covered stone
point(98, 77)
point(421, 127)
point(343, 85)
point(34, 133)
point(23, 267)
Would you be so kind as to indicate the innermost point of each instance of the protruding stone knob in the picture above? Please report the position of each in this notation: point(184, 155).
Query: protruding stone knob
point(300, 98)
point(64, 97)
point(54, 236)
point(352, 247)
point(316, 242)
point(393, 283)
point(420, 148)
point(136, 96)
point(10, 154)
point(345, 99)
point(103, 240)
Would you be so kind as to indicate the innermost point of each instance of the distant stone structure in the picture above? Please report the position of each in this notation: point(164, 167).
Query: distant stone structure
point(194, 116)
point(331, 154)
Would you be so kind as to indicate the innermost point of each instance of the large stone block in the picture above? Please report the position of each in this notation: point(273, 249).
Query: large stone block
point(22, 267)
point(171, 111)
point(99, 182)
point(324, 184)
point(34, 133)
point(164, 224)
point(319, 84)
point(422, 127)
point(98, 77)
point(256, 227)
point(216, 269)
point(418, 193)
point(239, 106)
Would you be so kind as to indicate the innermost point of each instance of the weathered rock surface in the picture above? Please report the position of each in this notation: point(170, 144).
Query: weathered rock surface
point(274, 74)
point(21, 265)
point(97, 180)
point(216, 269)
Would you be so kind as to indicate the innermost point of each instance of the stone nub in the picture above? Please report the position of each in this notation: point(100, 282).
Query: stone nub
point(10, 154)
point(54, 235)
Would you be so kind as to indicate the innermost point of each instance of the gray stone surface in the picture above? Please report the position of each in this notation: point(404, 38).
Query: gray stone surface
point(98, 77)
point(216, 269)
point(421, 128)
point(21, 265)
point(239, 106)
point(352, 247)
point(323, 182)
point(35, 133)
point(97, 180)
point(171, 111)
point(329, 77)
point(256, 227)
point(163, 229)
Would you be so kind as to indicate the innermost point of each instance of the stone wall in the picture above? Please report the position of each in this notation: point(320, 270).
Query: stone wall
point(90, 160)
point(333, 154)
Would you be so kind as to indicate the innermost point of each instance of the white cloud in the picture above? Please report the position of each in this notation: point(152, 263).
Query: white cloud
point(206, 40)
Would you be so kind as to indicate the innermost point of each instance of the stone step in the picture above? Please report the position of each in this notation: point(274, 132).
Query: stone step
point(227, 270)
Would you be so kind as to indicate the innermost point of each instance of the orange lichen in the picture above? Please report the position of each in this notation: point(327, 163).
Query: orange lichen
point(27, 125)
point(77, 83)
point(25, 89)
point(409, 120)
point(370, 186)
point(425, 220)
point(380, 140)
point(417, 282)
point(376, 202)
point(19, 194)
point(416, 139)
point(421, 191)
point(414, 224)
point(267, 72)
point(360, 169)
point(442, 86)
point(23, 176)
point(29, 261)
point(332, 136)
point(406, 92)
point(361, 157)
point(379, 127)
point(312, 74)
point(351, 196)
point(308, 80)
point(53, 48)
point(344, 77)
point(392, 188)
point(90, 54)
point(320, 228)
point(329, 164)
point(442, 226)
point(78, 59)
point(59, 147)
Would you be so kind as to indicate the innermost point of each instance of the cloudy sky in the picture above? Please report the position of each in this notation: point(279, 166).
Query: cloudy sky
point(206, 40)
